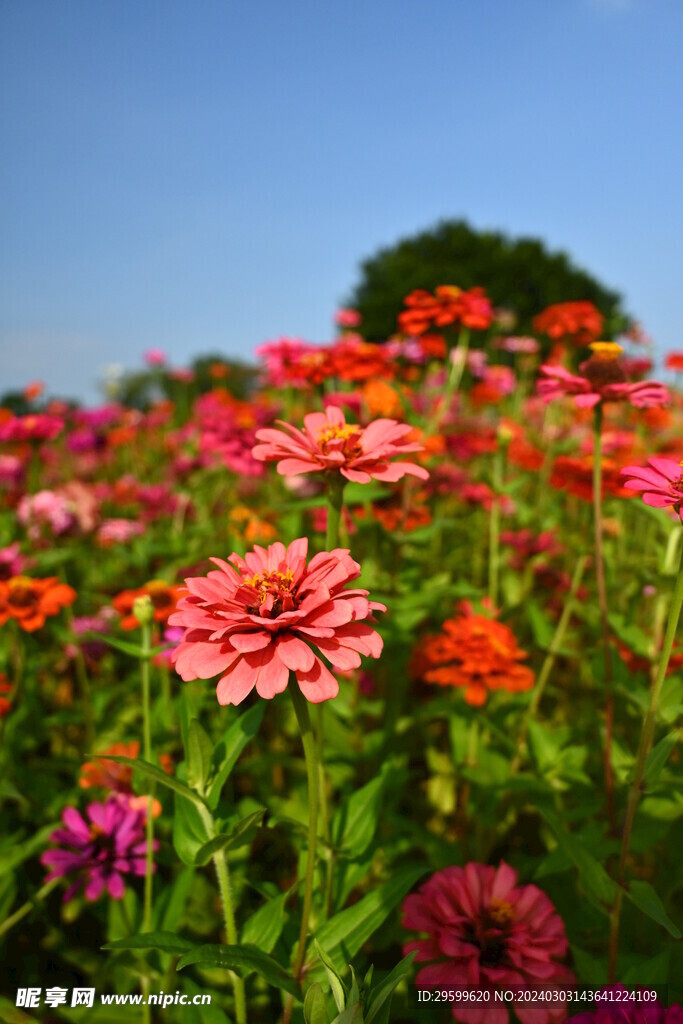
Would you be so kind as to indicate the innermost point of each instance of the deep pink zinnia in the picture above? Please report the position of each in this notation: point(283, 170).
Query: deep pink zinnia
point(661, 482)
point(484, 931)
point(99, 851)
point(613, 1006)
point(260, 617)
point(329, 443)
point(603, 380)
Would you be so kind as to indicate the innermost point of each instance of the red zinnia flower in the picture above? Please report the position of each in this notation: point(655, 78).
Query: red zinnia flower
point(674, 361)
point(448, 305)
point(616, 1005)
point(661, 483)
point(484, 931)
point(579, 322)
point(261, 616)
point(475, 653)
point(330, 443)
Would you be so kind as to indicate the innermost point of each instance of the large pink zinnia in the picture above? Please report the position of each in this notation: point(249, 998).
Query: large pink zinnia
point(661, 482)
point(260, 617)
point(486, 932)
point(603, 380)
point(329, 443)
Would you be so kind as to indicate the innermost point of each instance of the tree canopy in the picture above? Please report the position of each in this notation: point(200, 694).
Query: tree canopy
point(519, 274)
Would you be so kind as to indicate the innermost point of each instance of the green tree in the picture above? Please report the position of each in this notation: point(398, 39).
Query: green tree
point(518, 274)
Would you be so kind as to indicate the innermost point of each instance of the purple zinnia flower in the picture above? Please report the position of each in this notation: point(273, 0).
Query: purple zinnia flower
point(99, 851)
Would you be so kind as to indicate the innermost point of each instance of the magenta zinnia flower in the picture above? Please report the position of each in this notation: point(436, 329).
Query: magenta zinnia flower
point(661, 482)
point(627, 1011)
point(329, 443)
point(98, 852)
point(260, 617)
point(484, 931)
point(603, 380)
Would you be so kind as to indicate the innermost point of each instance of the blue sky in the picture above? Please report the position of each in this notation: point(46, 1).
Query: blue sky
point(201, 175)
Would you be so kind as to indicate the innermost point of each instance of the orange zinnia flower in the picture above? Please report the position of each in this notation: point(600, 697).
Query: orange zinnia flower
point(476, 653)
point(30, 602)
point(164, 597)
point(110, 774)
point(448, 305)
point(579, 322)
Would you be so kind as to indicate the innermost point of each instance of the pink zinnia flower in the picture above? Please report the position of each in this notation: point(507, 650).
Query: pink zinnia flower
point(603, 380)
point(99, 851)
point(118, 531)
point(347, 318)
point(661, 483)
point(330, 443)
point(34, 427)
point(628, 1011)
point(155, 357)
point(484, 931)
point(260, 617)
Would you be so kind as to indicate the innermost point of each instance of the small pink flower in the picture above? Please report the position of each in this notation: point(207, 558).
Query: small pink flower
point(12, 562)
point(118, 531)
point(34, 427)
point(263, 616)
point(484, 931)
point(155, 357)
point(329, 443)
point(347, 318)
point(661, 483)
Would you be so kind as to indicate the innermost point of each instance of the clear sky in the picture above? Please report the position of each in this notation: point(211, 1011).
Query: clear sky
point(201, 175)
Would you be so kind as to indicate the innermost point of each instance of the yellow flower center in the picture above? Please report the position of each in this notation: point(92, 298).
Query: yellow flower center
point(501, 912)
point(349, 434)
point(606, 349)
point(279, 584)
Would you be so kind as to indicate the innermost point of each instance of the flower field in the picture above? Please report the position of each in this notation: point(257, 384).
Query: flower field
point(353, 698)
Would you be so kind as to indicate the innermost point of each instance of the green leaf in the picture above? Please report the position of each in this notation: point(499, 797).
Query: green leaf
point(170, 906)
point(126, 647)
point(352, 1015)
point(230, 747)
point(152, 772)
point(315, 1005)
point(241, 835)
point(243, 960)
point(543, 745)
point(646, 899)
point(190, 831)
point(344, 934)
point(658, 757)
point(199, 755)
point(385, 989)
point(355, 823)
point(594, 879)
point(165, 942)
point(336, 984)
point(264, 927)
point(651, 971)
point(18, 854)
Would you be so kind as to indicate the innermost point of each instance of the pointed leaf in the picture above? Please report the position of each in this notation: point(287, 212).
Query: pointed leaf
point(241, 835)
point(152, 772)
point(647, 900)
point(336, 984)
point(199, 755)
point(385, 989)
point(355, 823)
point(344, 934)
point(315, 1005)
point(230, 747)
point(658, 756)
point(243, 960)
point(264, 927)
point(190, 831)
point(165, 942)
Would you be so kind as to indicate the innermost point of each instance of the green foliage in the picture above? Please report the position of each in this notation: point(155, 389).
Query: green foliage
point(518, 274)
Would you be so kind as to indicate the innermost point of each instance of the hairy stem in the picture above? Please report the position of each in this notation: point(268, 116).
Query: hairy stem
point(646, 737)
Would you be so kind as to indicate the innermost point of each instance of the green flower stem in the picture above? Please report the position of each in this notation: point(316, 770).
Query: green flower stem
point(457, 367)
point(220, 863)
point(602, 601)
point(21, 913)
point(549, 662)
point(310, 753)
point(646, 737)
point(494, 522)
point(146, 631)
